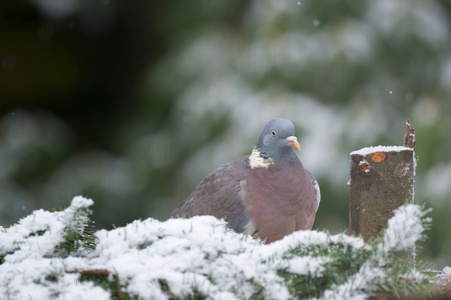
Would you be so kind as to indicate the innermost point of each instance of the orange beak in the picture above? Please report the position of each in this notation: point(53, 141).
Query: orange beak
point(294, 142)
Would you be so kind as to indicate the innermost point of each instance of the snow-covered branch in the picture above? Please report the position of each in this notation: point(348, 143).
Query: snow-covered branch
point(180, 258)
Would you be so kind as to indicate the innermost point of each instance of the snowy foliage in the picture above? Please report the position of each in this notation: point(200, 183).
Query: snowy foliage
point(53, 255)
point(408, 218)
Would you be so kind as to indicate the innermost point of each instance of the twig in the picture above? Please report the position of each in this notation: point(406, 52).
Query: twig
point(94, 272)
point(409, 136)
point(119, 288)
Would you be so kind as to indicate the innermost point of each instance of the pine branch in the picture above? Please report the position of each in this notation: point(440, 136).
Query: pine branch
point(201, 258)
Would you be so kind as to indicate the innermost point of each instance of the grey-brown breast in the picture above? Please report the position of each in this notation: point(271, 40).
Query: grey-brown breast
point(280, 200)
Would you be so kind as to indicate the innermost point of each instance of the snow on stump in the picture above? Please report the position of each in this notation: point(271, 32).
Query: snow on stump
point(382, 179)
point(443, 282)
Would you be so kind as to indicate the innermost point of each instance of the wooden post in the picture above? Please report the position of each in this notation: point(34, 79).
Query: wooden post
point(382, 179)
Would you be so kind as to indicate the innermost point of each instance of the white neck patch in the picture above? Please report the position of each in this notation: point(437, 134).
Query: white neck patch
point(257, 161)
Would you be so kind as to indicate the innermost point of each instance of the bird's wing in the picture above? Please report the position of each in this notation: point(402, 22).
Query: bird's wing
point(220, 194)
point(317, 190)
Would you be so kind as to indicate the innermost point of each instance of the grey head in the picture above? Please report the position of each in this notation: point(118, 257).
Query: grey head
point(277, 141)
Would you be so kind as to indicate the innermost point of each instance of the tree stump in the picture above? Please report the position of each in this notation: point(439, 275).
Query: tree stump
point(382, 179)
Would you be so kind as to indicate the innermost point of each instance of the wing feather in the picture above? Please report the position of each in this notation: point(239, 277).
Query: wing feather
point(220, 194)
point(317, 190)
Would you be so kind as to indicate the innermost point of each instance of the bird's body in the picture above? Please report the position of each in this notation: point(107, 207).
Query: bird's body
point(267, 194)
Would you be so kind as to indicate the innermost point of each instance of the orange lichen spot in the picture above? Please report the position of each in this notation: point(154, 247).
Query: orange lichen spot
point(378, 156)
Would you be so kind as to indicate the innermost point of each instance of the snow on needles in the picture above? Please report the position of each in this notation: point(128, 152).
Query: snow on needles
point(37, 234)
point(408, 219)
point(199, 254)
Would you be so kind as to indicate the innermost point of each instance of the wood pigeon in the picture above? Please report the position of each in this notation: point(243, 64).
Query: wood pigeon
point(267, 194)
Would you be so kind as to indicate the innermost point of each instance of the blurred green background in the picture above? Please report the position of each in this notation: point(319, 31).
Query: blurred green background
point(132, 103)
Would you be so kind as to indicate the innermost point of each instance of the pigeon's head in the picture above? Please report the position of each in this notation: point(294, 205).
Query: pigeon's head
point(277, 141)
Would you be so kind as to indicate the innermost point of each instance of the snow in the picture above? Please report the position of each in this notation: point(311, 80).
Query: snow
point(408, 218)
point(31, 239)
point(201, 253)
point(368, 150)
point(37, 234)
point(443, 277)
point(308, 265)
point(358, 285)
point(364, 162)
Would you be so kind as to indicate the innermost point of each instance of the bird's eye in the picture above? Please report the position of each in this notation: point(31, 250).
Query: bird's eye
point(273, 132)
